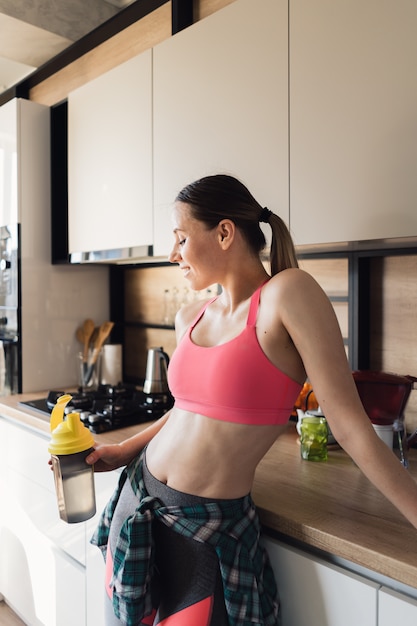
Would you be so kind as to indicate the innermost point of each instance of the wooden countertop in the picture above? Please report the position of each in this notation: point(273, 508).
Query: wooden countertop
point(329, 506)
point(333, 507)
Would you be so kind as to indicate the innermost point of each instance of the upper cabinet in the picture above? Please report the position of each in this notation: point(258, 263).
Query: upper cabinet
point(353, 122)
point(311, 104)
point(8, 163)
point(221, 106)
point(24, 133)
point(110, 159)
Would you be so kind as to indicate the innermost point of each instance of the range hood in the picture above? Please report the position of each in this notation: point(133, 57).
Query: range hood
point(117, 256)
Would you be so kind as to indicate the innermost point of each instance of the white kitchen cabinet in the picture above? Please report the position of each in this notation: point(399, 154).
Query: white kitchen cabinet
point(8, 164)
point(50, 574)
point(395, 608)
point(315, 592)
point(353, 127)
point(32, 491)
point(24, 133)
point(42, 584)
point(110, 159)
point(42, 571)
point(221, 106)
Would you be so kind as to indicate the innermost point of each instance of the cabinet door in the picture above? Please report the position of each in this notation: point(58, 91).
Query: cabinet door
point(42, 572)
point(42, 583)
point(395, 608)
point(221, 106)
point(31, 493)
point(110, 159)
point(353, 128)
point(8, 163)
point(314, 592)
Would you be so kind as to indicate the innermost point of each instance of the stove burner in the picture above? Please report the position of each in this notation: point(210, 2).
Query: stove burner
point(111, 407)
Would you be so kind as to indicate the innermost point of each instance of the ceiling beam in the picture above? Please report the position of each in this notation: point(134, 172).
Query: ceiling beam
point(128, 16)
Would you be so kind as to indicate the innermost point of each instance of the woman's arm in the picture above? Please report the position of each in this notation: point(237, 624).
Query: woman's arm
point(311, 322)
point(108, 457)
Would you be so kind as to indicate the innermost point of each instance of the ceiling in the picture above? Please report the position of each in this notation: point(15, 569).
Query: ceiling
point(34, 31)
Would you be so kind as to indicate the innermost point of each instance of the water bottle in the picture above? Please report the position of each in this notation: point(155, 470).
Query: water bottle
point(70, 444)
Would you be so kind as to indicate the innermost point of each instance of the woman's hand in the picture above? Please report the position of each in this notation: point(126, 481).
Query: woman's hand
point(107, 457)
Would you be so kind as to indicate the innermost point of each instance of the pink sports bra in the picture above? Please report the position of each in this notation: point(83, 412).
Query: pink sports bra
point(234, 381)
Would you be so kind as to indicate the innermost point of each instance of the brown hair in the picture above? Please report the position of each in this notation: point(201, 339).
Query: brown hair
point(214, 198)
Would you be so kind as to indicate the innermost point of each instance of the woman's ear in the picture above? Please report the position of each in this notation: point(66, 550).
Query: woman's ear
point(226, 232)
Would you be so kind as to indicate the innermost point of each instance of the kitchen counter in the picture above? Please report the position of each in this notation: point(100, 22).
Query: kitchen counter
point(328, 506)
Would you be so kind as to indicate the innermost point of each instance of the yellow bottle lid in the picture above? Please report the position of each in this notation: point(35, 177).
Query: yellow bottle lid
point(68, 436)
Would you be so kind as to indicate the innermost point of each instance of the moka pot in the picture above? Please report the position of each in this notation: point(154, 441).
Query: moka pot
point(156, 381)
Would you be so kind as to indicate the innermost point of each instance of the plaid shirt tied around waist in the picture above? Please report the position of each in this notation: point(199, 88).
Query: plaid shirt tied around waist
point(230, 526)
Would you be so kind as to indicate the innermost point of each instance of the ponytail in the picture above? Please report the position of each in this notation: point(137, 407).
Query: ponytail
point(282, 254)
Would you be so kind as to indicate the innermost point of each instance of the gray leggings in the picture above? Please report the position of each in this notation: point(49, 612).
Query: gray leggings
point(187, 571)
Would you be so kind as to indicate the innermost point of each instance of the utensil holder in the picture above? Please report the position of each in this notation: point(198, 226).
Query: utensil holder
point(89, 373)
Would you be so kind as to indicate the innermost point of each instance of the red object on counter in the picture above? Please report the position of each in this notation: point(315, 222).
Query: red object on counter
point(383, 395)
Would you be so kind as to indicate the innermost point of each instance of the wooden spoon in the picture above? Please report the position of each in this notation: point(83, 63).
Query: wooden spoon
point(102, 334)
point(94, 337)
point(88, 329)
point(79, 333)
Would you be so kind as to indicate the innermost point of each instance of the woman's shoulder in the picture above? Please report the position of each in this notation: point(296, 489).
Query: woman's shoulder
point(293, 289)
point(290, 279)
point(187, 314)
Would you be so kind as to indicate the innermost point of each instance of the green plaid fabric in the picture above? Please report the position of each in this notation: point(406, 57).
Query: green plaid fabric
point(230, 526)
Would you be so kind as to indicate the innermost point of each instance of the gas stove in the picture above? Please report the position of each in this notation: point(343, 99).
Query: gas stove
point(109, 407)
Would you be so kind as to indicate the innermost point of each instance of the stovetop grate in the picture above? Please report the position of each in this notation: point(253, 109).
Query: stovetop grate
point(108, 408)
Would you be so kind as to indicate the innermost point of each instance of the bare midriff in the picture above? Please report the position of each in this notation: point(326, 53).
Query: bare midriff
point(210, 458)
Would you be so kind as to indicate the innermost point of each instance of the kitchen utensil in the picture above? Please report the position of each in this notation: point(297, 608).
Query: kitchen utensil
point(70, 443)
point(79, 333)
point(94, 336)
point(384, 397)
point(102, 334)
point(386, 433)
point(89, 377)
point(88, 329)
point(156, 372)
point(84, 334)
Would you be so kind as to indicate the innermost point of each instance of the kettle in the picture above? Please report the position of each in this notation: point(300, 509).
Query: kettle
point(156, 372)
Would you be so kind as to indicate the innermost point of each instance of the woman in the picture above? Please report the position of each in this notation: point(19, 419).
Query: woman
point(239, 366)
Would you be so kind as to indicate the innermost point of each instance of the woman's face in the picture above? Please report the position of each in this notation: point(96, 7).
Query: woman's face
point(196, 248)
